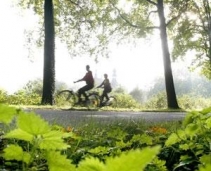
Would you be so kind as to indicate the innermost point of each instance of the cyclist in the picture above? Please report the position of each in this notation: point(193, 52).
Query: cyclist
point(88, 78)
point(107, 89)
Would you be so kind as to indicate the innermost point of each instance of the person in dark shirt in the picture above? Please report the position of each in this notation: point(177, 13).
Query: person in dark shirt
point(107, 88)
point(88, 78)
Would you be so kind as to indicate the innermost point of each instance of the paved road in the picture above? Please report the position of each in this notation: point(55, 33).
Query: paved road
point(68, 117)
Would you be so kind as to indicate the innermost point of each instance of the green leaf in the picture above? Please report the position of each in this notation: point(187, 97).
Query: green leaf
point(206, 168)
point(14, 152)
point(191, 130)
point(135, 160)
point(142, 139)
point(99, 150)
point(53, 140)
point(208, 123)
point(184, 146)
point(205, 159)
point(19, 134)
point(7, 113)
point(58, 162)
point(206, 111)
point(91, 164)
point(173, 138)
point(181, 134)
point(33, 124)
point(186, 161)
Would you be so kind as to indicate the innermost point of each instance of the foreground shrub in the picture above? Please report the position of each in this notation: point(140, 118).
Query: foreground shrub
point(32, 144)
point(189, 147)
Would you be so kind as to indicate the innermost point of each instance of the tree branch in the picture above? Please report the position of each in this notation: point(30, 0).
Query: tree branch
point(184, 8)
point(74, 3)
point(151, 13)
point(153, 27)
point(152, 2)
point(124, 18)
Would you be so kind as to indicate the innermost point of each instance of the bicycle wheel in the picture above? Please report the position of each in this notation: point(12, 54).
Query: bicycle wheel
point(112, 101)
point(66, 99)
point(94, 101)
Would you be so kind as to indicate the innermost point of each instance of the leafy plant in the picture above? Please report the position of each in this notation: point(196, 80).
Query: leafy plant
point(191, 143)
point(32, 142)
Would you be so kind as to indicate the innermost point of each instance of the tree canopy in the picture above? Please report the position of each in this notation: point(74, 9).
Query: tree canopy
point(192, 33)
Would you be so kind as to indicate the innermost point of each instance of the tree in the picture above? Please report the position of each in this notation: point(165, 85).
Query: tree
point(49, 56)
point(138, 19)
point(137, 94)
point(170, 90)
point(74, 23)
point(192, 33)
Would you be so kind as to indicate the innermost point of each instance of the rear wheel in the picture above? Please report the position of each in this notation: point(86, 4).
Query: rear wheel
point(66, 99)
point(112, 101)
point(94, 101)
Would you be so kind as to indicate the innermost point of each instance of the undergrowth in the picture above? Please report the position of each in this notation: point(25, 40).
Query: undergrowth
point(28, 143)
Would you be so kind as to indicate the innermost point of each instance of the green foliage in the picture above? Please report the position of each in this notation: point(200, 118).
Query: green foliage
point(39, 146)
point(126, 101)
point(7, 114)
point(191, 34)
point(34, 143)
point(137, 94)
point(191, 143)
point(191, 102)
point(33, 87)
point(23, 98)
point(157, 101)
point(127, 161)
point(3, 96)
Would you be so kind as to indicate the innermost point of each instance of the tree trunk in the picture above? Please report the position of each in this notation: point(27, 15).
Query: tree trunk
point(49, 55)
point(208, 18)
point(170, 90)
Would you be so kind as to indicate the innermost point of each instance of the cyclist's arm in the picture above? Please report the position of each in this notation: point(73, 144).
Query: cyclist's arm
point(100, 85)
point(79, 80)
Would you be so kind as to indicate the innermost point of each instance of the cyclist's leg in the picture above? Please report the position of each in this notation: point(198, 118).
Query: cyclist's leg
point(106, 91)
point(80, 92)
point(102, 98)
point(84, 89)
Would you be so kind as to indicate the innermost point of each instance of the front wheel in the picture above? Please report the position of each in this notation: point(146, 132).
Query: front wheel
point(66, 99)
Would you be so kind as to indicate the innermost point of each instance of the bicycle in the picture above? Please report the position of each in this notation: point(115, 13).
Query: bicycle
point(111, 102)
point(69, 98)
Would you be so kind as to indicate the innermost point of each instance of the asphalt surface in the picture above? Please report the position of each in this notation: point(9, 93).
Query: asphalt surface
point(69, 117)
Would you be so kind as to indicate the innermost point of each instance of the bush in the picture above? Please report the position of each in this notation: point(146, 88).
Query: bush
point(22, 98)
point(158, 101)
point(190, 102)
point(126, 101)
point(3, 96)
point(40, 146)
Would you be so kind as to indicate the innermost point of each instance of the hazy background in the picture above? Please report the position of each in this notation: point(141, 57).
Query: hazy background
point(135, 66)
